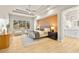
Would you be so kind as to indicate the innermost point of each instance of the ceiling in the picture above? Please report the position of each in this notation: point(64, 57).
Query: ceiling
point(24, 9)
point(36, 10)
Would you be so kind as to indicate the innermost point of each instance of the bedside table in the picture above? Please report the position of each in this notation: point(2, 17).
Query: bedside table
point(52, 35)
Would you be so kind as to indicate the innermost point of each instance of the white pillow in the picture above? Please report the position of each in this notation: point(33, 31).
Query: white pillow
point(47, 29)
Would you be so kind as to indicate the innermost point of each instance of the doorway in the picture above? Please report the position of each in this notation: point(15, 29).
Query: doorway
point(70, 18)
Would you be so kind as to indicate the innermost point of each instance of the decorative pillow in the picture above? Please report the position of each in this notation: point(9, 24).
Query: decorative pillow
point(41, 28)
point(47, 29)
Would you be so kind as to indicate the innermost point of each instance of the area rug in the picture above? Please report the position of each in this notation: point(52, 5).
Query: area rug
point(26, 41)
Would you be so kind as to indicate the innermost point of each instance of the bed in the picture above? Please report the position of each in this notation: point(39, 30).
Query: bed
point(43, 32)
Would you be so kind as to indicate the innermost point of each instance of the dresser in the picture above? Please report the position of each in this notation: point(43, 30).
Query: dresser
point(4, 41)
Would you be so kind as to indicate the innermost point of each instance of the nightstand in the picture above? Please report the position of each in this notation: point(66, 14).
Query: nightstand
point(52, 35)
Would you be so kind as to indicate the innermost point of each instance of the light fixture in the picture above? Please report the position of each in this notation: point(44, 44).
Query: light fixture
point(48, 9)
point(38, 27)
point(52, 28)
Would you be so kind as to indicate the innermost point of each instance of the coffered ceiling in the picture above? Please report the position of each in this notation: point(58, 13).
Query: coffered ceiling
point(39, 10)
point(33, 9)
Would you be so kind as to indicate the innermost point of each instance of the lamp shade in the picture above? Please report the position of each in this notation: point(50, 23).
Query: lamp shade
point(52, 28)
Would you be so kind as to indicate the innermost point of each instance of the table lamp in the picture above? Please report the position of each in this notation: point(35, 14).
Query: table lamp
point(52, 28)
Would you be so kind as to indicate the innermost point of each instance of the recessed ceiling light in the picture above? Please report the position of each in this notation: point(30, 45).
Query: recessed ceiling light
point(48, 8)
point(29, 12)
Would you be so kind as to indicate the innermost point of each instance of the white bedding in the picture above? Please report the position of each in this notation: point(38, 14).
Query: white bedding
point(39, 33)
point(42, 33)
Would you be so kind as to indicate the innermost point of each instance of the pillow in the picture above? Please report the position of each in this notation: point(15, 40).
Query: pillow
point(41, 28)
point(47, 29)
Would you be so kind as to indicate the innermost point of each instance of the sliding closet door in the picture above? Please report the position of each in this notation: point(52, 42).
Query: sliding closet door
point(71, 22)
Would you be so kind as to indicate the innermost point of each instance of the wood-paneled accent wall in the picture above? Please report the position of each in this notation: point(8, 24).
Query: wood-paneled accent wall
point(50, 20)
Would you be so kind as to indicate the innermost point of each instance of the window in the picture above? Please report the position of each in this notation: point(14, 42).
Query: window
point(18, 24)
